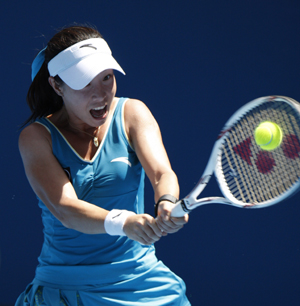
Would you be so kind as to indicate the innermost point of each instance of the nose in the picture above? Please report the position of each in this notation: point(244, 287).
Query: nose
point(99, 92)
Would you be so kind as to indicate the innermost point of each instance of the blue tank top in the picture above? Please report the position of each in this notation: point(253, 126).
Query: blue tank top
point(114, 178)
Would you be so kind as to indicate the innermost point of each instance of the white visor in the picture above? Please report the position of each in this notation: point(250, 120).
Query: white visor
point(80, 63)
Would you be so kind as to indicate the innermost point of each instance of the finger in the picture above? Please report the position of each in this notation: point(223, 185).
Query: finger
point(150, 236)
point(142, 229)
point(161, 228)
point(168, 226)
point(144, 238)
point(164, 210)
point(180, 221)
point(165, 215)
point(172, 222)
point(150, 232)
point(143, 241)
point(155, 227)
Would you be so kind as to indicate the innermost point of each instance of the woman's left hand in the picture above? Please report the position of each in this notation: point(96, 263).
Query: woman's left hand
point(166, 223)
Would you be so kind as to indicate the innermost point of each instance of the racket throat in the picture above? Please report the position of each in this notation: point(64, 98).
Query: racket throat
point(184, 206)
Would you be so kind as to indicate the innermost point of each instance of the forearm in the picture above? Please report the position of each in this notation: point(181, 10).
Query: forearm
point(80, 216)
point(167, 183)
point(90, 219)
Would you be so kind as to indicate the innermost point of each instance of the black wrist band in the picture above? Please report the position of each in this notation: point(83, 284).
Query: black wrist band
point(165, 197)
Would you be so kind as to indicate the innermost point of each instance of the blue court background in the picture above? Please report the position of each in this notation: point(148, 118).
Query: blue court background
point(193, 63)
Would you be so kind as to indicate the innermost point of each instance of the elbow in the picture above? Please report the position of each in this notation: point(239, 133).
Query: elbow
point(65, 222)
point(62, 213)
point(63, 218)
point(167, 175)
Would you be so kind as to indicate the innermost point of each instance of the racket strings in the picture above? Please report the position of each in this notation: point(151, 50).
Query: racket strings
point(252, 175)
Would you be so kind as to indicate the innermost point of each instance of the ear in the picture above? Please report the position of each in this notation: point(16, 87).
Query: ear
point(55, 86)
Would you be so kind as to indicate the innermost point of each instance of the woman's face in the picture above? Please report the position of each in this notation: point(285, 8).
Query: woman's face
point(90, 105)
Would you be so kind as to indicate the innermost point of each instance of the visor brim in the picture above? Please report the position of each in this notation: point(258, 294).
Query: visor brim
point(83, 72)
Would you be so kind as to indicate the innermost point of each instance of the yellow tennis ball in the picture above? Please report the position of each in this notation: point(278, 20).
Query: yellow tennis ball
point(268, 135)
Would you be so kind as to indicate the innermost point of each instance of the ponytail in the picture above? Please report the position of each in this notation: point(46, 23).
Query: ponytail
point(41, 97)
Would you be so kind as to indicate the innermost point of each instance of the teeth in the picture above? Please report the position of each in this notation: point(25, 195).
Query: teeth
point(99, 108)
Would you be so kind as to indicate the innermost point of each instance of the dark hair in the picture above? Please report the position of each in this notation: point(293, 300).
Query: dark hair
point(41, 97)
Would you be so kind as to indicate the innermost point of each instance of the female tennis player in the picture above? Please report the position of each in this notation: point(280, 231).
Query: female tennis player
point(85, 154)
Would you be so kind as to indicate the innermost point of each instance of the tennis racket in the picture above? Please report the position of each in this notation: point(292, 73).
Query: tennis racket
point(247, 175)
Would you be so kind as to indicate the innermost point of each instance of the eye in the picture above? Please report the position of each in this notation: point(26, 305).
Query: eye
point(107, 77)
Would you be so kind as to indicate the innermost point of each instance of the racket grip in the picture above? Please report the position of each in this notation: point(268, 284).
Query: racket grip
point(179, 209)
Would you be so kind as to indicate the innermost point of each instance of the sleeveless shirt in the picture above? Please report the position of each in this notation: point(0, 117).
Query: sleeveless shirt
point(114, 178)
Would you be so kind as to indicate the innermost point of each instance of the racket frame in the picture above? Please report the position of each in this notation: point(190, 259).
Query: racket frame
point(191, 201)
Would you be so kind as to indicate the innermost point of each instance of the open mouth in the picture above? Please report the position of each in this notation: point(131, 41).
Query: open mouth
point(99, 112)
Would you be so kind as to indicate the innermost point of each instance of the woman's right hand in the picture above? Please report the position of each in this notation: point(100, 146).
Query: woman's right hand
point(142, 228)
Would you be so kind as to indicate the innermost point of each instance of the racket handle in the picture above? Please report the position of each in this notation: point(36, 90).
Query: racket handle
point(179, 209)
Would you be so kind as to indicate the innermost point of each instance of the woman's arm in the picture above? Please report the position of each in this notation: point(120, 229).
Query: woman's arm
point(50, 183)
point(52, 186)
point(145, 137)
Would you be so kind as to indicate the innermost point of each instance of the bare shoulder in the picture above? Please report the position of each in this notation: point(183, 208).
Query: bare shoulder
point(139, 122)
point(34, 136)
point(136, 112)
point(134, 106)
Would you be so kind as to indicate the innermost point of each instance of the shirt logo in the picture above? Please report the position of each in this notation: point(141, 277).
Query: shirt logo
point(122, 160)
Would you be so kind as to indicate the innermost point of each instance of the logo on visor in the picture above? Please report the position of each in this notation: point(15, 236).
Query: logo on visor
point(88, 45)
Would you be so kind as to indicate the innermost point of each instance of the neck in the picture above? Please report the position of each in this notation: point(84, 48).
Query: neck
point(94, 135)
point(90, 130)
